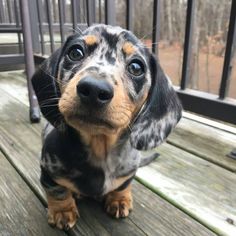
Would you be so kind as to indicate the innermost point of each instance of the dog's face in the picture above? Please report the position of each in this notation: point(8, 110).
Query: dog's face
point(104, 81)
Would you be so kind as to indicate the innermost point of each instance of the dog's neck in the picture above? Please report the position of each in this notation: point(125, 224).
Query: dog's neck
point(101, 144)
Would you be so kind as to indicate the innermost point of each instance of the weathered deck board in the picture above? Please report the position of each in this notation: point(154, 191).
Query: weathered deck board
point(207, 142)
point(192, 136)
point(204, 190)
point(21, 212)
point(14, 83)
point(20, 141)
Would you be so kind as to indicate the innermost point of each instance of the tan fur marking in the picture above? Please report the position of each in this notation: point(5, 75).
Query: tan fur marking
point(128, 48)
point(69, 100)
point(62, 213)
point(100, 144)
point(119, 203)
point(119, 181)
point(67, 184)
point(90, 39)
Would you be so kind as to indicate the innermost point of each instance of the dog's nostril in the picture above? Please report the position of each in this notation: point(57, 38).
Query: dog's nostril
point(84, 91)
point(105, 95)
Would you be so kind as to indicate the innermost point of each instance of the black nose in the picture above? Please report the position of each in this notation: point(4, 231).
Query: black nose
point(94, 92)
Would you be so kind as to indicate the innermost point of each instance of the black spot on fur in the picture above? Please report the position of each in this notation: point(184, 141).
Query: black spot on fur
point(91, 48)
point(141, 142)
point(109, 57)
point(100, 63)
point(128, 36)
point(168, 130)
point(138, 84)
point(93, 69)
point(46, 180)
point(111, 39)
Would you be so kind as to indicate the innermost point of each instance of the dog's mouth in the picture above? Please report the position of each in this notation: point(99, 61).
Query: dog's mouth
point(91, 120)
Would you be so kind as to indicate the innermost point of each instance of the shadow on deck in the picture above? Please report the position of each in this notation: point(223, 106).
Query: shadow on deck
point(188, 190)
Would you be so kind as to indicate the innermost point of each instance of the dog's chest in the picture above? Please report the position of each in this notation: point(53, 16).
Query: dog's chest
point(67, 159)
point(118, 166)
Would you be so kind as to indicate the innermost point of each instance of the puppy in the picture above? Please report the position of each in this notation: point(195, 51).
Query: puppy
point(106, 98)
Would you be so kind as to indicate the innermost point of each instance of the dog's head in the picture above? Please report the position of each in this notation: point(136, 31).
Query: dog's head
point(105, 81)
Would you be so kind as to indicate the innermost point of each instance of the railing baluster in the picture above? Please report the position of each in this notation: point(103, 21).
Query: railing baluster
point(91, 12)
point(110, 12)
point(29, 59)
point(2, 12)
point(99, 11)
point(17, 18)
point(187, 44)
point(61, 19)
point(155, 25)
point(129, 14)
point(49, 17)
point(74, 13)
point(34, 26)
point(9, 11)
point(231, 38)
point(64, 10)
point(40, 20)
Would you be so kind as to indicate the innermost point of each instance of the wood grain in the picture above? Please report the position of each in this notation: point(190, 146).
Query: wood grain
point(21, 212)
point(202, 189)
point(207, 142)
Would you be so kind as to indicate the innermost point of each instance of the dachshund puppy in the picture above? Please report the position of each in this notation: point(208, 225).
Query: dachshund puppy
point(106, 98)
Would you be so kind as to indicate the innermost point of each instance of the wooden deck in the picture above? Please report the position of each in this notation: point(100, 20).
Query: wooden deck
point(189, 190)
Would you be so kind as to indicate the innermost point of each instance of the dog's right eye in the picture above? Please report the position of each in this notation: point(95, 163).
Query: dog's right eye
point(136, 68)
point(76, 53)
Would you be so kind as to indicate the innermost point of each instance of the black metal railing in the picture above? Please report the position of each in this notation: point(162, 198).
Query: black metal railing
point(47, 34)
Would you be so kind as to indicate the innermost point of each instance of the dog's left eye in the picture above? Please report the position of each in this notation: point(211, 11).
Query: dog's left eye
point(76, 53)
point(136, 68)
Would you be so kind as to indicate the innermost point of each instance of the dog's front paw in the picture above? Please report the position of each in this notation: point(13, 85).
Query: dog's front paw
point(119, 204)
point(62, 214)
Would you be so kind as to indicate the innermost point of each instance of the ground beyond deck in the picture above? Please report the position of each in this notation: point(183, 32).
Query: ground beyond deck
point(188, 190)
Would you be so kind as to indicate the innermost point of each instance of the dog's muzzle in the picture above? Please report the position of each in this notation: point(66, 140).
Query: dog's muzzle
point(94, 93)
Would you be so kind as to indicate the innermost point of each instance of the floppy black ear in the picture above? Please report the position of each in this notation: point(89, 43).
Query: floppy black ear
point(47, 90)
point(160, 113)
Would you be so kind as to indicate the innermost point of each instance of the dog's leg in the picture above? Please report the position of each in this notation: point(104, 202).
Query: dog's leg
point(62, 213)
point(62, 209)
point(119, 203)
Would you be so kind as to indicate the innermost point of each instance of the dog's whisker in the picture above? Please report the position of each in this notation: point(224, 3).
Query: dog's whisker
point(75, 30)
point(54, 78)
point(51, 111)
point(130, 128)
point(50, 100)
point(51, 105)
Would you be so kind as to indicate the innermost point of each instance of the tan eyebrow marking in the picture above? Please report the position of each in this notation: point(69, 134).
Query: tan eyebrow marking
point(90, 39)
point(128, 48)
